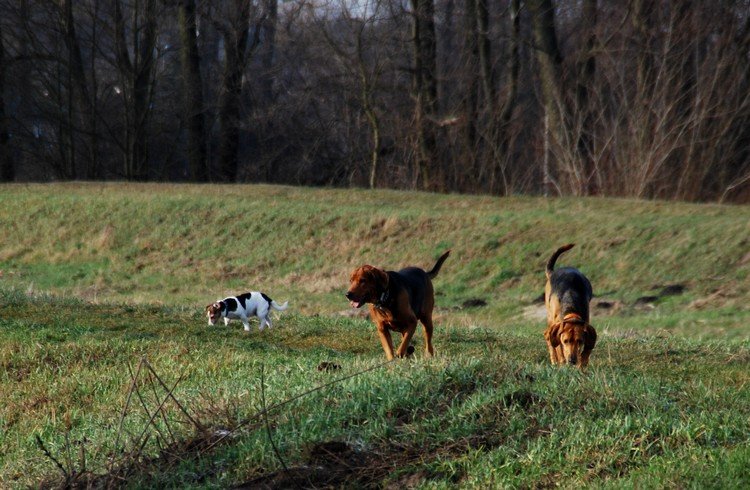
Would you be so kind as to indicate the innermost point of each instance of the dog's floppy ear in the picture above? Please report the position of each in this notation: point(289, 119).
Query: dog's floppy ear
point(552, 335)
point(381, 278)
point(589, 337)
point(208, 307)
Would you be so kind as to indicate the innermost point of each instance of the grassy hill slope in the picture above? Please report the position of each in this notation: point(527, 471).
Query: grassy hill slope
point(129, 268)
point(188, 245)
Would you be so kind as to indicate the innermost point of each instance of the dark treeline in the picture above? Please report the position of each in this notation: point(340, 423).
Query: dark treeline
point(641, 98)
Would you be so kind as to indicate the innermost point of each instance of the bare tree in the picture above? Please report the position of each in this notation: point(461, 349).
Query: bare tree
point(585, 73)
point(645, 98)
point(499, 171)
point(550, 62)
point(353, 46)
point(192, 88)
point(136, 68)
point(235, 34)
point(269, 48)
point(83, 104)
point(424, 87)
point(7, 167)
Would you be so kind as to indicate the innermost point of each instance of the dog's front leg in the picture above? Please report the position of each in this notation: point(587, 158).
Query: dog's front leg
point(246, 324)
point(407, 334)
point(226, 321)
point(386, 341)
point(552, 354)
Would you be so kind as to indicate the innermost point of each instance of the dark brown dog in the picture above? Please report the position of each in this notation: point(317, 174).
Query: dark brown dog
point(567, 294)
point(397, 301)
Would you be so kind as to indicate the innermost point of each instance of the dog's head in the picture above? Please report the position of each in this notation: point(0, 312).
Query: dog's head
point(366, 284)
point(213, 312)
point(575, 337)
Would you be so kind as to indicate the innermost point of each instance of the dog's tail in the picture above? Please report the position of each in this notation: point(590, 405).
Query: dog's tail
point(279, 307)
point(434, 272)
point(553, 259)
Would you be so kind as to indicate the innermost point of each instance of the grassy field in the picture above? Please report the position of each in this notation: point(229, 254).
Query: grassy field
point(102, 288)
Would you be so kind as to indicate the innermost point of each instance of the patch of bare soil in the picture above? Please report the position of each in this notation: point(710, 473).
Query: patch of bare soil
point(720, 297)
point(535, 312)
point(336, 464)
point(664, 291)
point(331, 464)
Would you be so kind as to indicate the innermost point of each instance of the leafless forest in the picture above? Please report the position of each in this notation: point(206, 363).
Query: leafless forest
point(639, 98)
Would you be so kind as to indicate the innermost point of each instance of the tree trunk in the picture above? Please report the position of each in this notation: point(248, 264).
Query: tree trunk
point(485, 55)
point(192, 86)
point(369, 110)
point(504, 119)
point(550, 73)
point(643, 22)
point(235, 43)
point(269, 50)
point(471, 98)
point(143, 90)
point(81, 95)
point(424, 84)
point(585, 78)
point(137, 75)
point(7, 166)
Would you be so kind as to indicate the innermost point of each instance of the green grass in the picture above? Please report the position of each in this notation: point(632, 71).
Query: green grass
point(97, 277)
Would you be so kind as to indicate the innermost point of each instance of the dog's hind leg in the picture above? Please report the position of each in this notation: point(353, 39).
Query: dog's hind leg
point(265, 320)
point(427, 324)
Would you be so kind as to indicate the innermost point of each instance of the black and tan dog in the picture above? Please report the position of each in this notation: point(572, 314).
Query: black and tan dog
point(567, 294)
point(397, 301)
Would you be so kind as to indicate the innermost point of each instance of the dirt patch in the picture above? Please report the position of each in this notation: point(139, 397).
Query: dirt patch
point(522, 398)
point(535, 312)
point(608, 306)
point(646, 301)
point(718, 298)
point(474, 303)
point(331, 464)
point(672, 290)
point(468, 304)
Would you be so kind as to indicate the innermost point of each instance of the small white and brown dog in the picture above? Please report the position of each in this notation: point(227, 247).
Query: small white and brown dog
point(242, 308)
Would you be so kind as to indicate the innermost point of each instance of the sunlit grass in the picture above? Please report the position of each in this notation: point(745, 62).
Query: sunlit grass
point(113, 274)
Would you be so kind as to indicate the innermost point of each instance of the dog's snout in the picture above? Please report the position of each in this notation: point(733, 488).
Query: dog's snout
point(573, 361)
point(349, 295)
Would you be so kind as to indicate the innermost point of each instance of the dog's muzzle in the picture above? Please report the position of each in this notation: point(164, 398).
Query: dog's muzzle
point(353, 300)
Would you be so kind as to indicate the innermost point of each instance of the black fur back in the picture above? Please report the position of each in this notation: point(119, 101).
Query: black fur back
point(573, 289)
point(231, 304)
point(242, 298)
point(414, 280)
